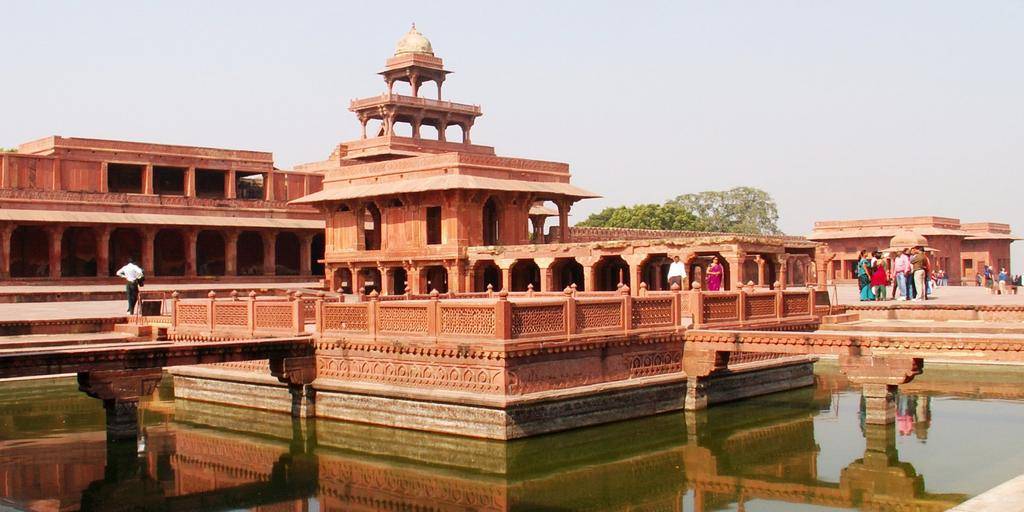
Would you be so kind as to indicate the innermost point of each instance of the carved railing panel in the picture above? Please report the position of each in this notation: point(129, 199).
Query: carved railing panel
point(795, 304)
point(537, 319)
point(652, 312)
point(403, 319)
point(467, 320)
point(273, 315)
point(721, 307)
point(231, 314)
point(346, 317)
point(598, 315)
point(760, 305)
point(193, 314)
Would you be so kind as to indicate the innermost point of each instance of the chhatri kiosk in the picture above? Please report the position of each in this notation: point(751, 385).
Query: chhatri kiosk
point(412, 211)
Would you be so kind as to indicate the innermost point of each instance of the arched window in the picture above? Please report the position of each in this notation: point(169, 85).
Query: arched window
point(250, 254)
point(371, 228)
point(210, 253)
point(78, 252)
point(491, 222)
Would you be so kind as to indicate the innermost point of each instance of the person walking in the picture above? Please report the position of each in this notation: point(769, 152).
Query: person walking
point(676, 273)
point(901, 270)
point(917, 263)
point(133, 274)
point(1003, 278)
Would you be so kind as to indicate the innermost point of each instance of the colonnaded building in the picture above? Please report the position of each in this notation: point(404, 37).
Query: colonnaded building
point(963, 249)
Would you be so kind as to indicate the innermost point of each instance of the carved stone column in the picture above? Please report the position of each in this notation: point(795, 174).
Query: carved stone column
point(385, 280)
point(506, 273)
point(879, 378)
point(148, 242)
point(6, 231)
point(229, 184)
point(547, 274)
point(103, 250)
point(269, 254)
point(306, 254)
point(412, 280)
point(231, 252)
point(782, 269)
point(736, 277)
point(762, 270)
point(564, 206)
point(636, 271)
point(120, 391)
point(589, 280)
point(190, 236)
point(147, 179)
point(190, 182)
point(55, 234)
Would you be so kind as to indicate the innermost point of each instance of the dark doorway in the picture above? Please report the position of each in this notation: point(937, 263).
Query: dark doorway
point(286, 254)
point(124, 178)
point(250, 254)
point(78, 253)
point(567, 272)
point(30, 252)
point(609, 272)
point(169, 253)
point(433, 225)
point(491, 222)
point(210, 253)
point(316, 254)
point(371, 228)
point(436, 279)
point(523, 274)
point(125, 244)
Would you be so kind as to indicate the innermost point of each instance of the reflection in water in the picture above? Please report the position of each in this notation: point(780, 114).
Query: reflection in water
point(196, 456)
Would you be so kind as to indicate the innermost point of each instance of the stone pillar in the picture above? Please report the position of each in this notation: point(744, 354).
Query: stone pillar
point(467, 129)
point(148, 242)
point(455, 278)
point(269, 253)
point(147, 179)
point(538, 228)
point(547, 274)
point(231, 252)
point(190, 182)
point(190, 235)
point(698, 365)
point(782, 269)
point(55, 233)
point(306, 254)
point(268, 186)
point(564, 206)
point(6, 231)
point(385, 280)
point(879, 378)
point(412, 279)
point(229, 184)
point(103, 250)
point(762, 270)
point(636, 271)
point(589, 280)
point(506, 273)
point(735, 261)
point(103, 184)
point(120, 391)
point(298, 373)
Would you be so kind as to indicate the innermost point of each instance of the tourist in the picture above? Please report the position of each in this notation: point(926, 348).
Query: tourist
point(901, 269)
point(987, 278)
point(676, 273)
point(918, 262)
point(133, 274)
point(715, 272)
point(864, 276)
point(879, 279)
point(1003, 277)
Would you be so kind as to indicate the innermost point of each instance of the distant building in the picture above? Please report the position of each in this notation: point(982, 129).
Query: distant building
point(75, 208)
point(963, 249)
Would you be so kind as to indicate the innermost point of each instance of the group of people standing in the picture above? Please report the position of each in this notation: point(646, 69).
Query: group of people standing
point(715, 274)
point(1000, 282)
point(907, 271)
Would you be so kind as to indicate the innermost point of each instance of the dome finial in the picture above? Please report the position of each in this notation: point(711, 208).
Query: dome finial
point(414, 42)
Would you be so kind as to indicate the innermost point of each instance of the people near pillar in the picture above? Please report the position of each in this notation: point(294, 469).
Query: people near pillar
point(901, 270)
point(715, 273)
point(134, 277)
point(864, 276)
point(919, 262)
point(676, 272)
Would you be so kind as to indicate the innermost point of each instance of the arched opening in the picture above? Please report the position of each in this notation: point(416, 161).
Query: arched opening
point(374, 128)
point(486, 272)
point(125, 244)
point(655, 272)
point(435, 278)
point(78, 253)
point(523, 274)
point(316, 254)
point(609, 272)
point(402, 129)
point(567, 272)
point(370, 279)
point(429, 132)
point(343, 280)
point(250, 254)
point(286, 254)
point(491, 221)
point(798, 272)
point(398, 279)
point(750, 272)
point(453, 133)
point(701, 264)
point(30, 252)
point(210, 253)
point(169, 253)
point(371, 228)
point(401, 87)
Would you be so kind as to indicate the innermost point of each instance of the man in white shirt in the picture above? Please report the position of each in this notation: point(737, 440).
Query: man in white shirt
point(676, 272)
point(131, 273)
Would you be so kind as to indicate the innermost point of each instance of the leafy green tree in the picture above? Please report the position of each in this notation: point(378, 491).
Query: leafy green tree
point(737, 210)
point(644, 216)
point(7, 150)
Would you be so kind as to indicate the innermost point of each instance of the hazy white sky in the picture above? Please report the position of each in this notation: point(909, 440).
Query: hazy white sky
point(839, 109)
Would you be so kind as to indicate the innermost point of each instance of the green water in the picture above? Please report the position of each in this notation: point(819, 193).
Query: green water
point(959, 434)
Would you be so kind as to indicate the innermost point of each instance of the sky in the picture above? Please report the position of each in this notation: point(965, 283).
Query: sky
point(840, 110)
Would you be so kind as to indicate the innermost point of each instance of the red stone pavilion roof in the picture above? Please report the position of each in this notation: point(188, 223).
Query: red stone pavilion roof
point(150, 219)
point(445, 182)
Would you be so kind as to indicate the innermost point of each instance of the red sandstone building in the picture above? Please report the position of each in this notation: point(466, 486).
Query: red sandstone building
point(963, 249)
point(79, 208)
point(432, 211)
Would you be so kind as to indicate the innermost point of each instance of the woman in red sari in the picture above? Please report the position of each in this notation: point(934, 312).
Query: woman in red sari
point(715, 272)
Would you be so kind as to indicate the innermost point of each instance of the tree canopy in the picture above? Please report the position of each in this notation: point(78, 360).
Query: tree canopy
point(737, 210)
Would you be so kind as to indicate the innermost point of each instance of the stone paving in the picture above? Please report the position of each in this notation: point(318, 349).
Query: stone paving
point(972, 295)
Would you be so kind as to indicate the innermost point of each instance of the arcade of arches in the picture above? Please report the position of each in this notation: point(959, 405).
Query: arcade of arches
point(56, 251)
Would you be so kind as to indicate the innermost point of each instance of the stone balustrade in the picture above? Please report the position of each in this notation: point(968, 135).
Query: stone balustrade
point(238, 317)
point(745, 309)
